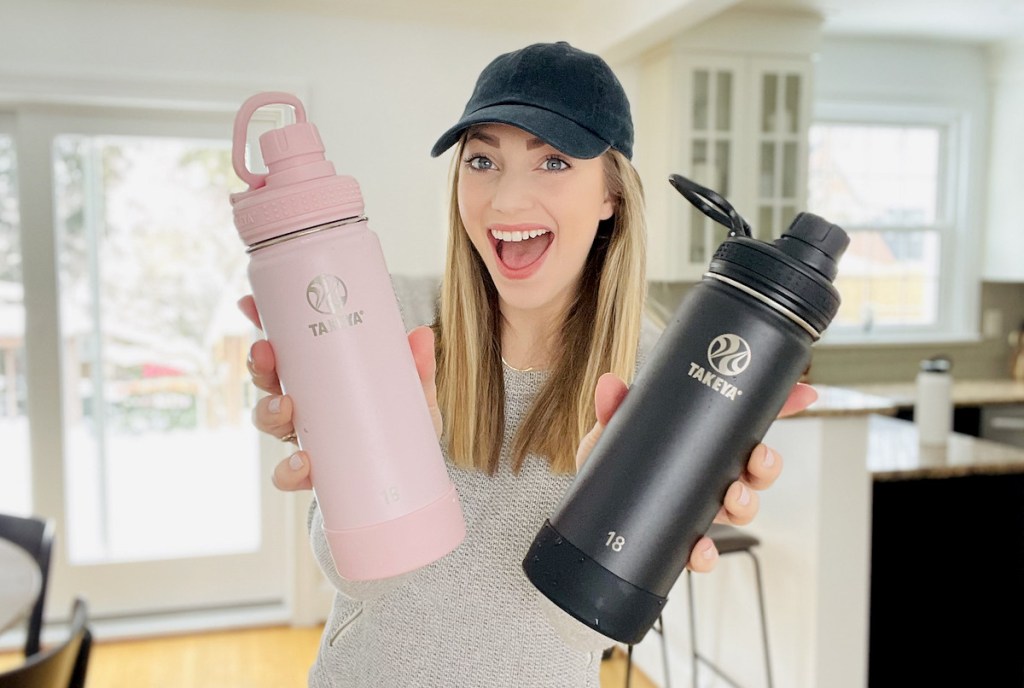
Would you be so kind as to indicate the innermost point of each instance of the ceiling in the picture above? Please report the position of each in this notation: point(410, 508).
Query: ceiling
point(978, 21)
point(609, 22)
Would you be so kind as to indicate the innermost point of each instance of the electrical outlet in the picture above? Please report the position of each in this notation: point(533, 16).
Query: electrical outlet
point(992, 323)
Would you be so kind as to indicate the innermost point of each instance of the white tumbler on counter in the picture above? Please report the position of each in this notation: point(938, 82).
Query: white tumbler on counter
point(933, 409)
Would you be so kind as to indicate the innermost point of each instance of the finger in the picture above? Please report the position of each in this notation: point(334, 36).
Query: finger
point(421, 341)
point(763, 467)
point(273, 415)
point(703, 556)
point(739, 506)
point(263, 367)
point(800, 397)
point(608, 394)
point(292, 473)
point(247, 304)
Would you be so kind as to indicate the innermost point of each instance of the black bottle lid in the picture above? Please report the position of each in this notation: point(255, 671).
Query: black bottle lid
point(816, 242)
point(937, 364)
point(794, 273)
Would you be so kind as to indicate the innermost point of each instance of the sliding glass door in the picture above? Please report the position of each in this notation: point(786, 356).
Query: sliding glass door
point(139, 405)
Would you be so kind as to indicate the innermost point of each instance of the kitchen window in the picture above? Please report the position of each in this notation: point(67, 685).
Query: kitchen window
point(890, 179)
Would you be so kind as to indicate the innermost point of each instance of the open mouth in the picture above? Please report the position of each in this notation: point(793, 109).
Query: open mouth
point(521, 249)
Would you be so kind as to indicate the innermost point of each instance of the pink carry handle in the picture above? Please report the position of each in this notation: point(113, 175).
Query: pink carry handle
point(245, 113)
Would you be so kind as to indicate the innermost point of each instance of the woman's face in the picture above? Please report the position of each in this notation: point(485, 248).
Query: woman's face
point(531, 213)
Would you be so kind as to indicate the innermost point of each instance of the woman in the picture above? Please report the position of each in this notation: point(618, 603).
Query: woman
point(538, 328)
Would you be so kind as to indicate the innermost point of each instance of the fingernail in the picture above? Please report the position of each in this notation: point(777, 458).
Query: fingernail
point(769, 458)
point(275, 405)
point(744, 496)
point(708, 552)
point(295, 461)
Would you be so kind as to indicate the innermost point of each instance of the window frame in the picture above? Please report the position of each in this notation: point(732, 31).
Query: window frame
point(958, 270)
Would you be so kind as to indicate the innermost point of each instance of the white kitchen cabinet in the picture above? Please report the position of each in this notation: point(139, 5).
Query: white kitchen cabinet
point(735, 121)
point(815, 531)
point(1004, 236)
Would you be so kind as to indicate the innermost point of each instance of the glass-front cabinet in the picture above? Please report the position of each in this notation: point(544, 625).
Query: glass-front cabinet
point(737, 124)
point(781, 146)
point(710, 149)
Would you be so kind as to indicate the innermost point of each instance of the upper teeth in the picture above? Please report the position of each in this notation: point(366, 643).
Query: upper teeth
point(518, 236)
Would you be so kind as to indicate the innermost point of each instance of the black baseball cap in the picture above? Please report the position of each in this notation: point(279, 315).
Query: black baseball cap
point(569, 98)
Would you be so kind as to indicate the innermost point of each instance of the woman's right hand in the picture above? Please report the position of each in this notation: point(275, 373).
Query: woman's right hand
point(273, 413)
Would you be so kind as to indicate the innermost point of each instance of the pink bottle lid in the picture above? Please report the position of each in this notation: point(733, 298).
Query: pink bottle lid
point(301, 188)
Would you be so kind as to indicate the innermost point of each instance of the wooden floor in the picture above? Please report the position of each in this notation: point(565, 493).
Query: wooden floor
point(251, 658)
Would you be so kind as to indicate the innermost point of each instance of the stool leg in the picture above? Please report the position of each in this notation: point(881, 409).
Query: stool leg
point(764, 618)
point(660, 628)
point(693, 628)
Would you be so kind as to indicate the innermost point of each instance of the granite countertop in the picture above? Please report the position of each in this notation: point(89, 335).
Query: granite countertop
point(964, 393)
point(843, 401)
point(894, 453)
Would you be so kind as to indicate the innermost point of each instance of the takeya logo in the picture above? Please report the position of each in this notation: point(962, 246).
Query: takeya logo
point(728, 354)
point(327, 294)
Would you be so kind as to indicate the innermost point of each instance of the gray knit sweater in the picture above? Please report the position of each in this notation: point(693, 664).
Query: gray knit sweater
point(471, 619)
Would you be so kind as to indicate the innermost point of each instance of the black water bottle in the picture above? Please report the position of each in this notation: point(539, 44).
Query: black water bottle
point(713, 384)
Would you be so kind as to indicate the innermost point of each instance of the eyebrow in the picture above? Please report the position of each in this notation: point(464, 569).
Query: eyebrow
point(493, 140)
point(486, 138)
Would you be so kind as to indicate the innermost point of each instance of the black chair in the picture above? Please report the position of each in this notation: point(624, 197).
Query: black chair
point(35, 536)
point(61, 666)
point(728, 540)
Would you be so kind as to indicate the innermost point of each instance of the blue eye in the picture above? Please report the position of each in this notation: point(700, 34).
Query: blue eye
point(480, 162)
point(555, 164)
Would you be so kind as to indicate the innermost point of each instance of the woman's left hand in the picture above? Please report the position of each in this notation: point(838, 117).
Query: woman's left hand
point(741, 501)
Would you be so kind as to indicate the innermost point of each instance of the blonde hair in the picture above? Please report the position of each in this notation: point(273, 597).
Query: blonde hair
point(600, 333)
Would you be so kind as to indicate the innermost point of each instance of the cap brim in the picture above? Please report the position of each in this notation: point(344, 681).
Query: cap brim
point(561, 133)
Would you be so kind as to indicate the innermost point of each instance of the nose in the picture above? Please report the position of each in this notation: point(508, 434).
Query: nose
point(512, 193)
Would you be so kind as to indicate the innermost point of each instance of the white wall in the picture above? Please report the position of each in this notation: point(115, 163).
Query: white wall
point(1005, 244)
point(919, 70)
point(380, 93)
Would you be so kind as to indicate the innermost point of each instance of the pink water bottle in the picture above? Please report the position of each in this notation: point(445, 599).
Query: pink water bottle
point(325, 299)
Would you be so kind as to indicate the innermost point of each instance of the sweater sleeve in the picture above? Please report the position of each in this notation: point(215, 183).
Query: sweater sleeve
point(417, 298)
point(650, 332)
point(575, 634)
point(353, 590)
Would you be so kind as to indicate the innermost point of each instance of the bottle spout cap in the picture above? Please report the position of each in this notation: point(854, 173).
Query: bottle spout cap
point(292, 154)
point(300, 189)
point(815, 242)
point(245, 113)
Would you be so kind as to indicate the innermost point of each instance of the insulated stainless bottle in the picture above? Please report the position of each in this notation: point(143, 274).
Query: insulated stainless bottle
point(714, 382)
point(326, 302)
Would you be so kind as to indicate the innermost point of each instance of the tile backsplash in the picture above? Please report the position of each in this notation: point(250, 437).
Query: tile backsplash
point(986, 359)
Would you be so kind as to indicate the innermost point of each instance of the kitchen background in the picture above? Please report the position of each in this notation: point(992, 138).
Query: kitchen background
point(125, 400)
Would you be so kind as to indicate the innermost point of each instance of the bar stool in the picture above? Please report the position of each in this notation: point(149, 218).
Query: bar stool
point(728, 540)
point(659, 628)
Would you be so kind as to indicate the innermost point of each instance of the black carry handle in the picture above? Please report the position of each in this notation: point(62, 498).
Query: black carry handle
point(711, 204)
